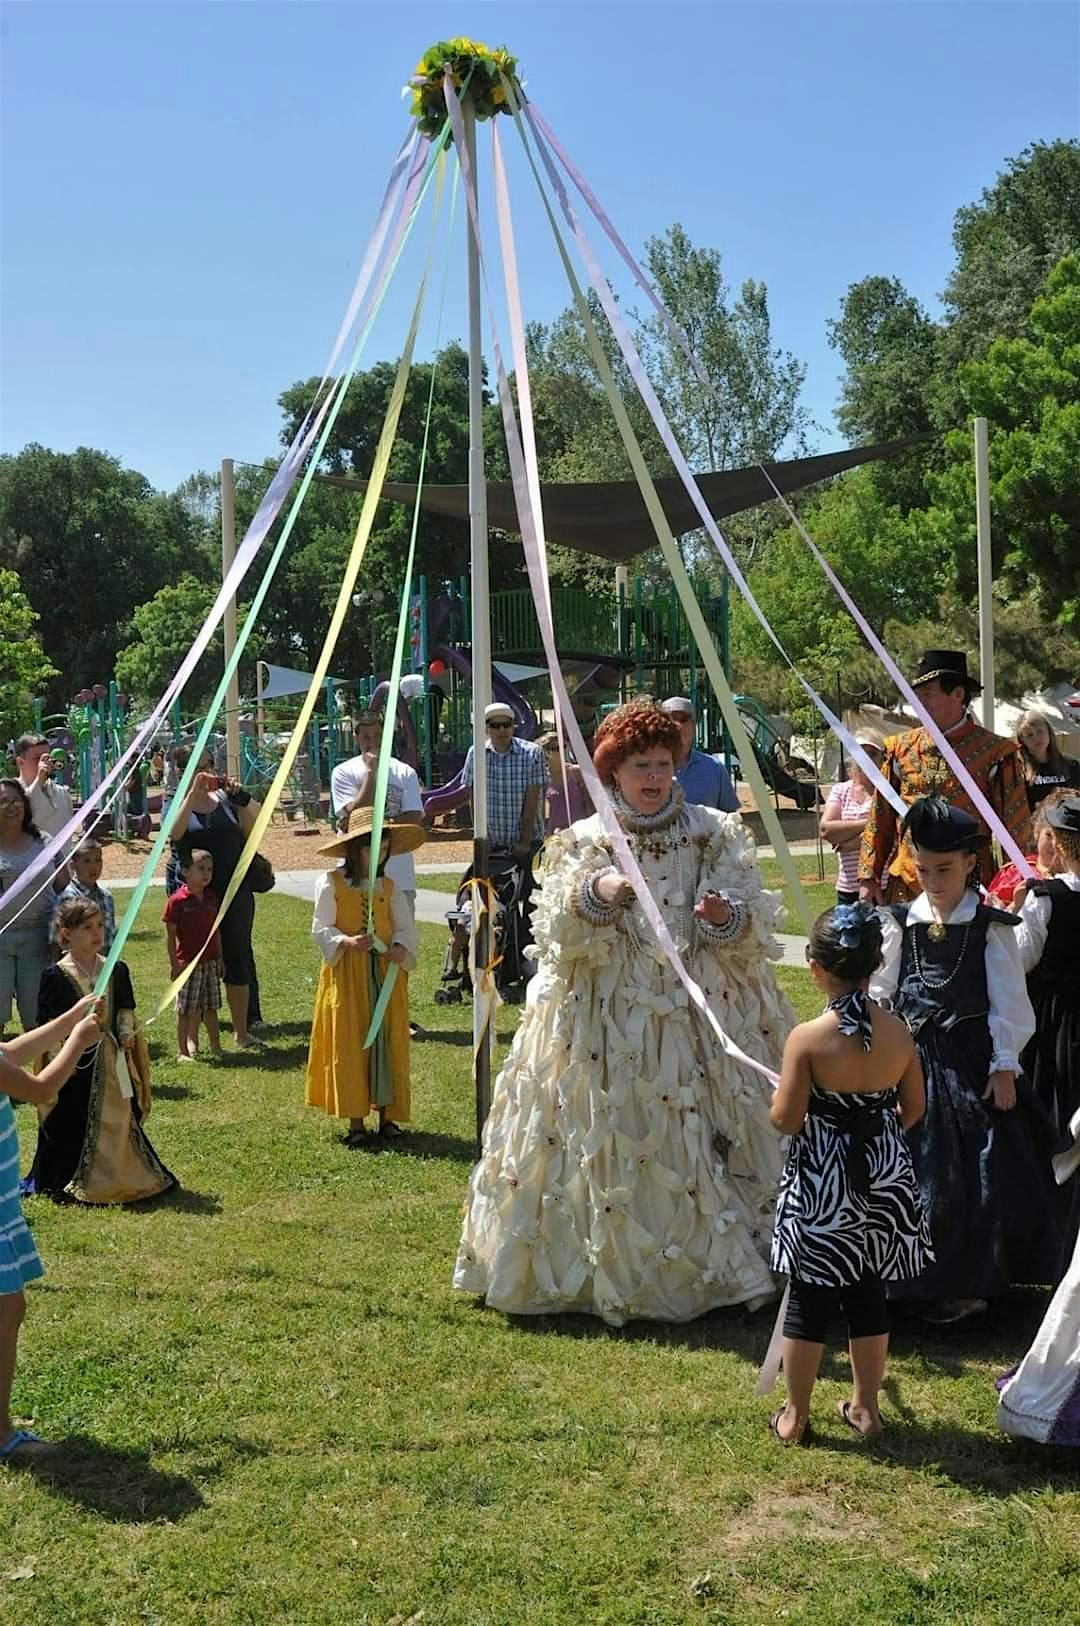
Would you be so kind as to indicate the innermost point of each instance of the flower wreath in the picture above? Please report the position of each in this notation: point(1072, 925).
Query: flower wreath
point(469, 62)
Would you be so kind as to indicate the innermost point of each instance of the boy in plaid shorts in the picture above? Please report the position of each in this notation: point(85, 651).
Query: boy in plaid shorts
point(189, 916)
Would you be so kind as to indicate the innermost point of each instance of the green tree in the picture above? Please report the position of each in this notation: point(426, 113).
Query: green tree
point(24, 668)
point(1029, 390)
point(1006, 245)
point(891, 572)
point(165, 629)
point(90, 541)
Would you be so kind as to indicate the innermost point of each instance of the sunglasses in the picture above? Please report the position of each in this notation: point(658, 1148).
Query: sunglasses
point(500, 725)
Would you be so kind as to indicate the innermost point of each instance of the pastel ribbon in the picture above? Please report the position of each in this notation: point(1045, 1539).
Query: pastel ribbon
point(55, 849)
point(656, 411)
point(990, 816)
point(673, 559)
point(532, 538)
point(382, 774)
point(372, 497)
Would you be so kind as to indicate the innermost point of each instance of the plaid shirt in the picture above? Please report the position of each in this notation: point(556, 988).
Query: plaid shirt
point(509, 775)
point(89, 894)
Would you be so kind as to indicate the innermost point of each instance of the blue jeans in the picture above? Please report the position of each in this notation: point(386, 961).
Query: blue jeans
point(24, 954)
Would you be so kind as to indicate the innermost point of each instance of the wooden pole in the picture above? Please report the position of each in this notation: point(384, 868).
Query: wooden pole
point(479, 584)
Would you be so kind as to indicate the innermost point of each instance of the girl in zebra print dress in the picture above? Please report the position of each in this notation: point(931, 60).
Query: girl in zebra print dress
point(848, 1215)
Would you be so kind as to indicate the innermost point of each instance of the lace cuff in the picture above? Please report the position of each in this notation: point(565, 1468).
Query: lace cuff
point(733, 927)
point(587, 906)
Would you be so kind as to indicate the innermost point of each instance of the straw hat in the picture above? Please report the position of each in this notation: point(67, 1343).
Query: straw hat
point(404, 838)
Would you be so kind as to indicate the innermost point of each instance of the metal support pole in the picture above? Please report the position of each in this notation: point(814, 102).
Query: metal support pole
point(986, 572)
point(228, 553)
point(479, 585)
point(260, 714)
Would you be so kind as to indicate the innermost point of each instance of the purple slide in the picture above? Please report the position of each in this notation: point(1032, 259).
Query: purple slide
point(526, 725)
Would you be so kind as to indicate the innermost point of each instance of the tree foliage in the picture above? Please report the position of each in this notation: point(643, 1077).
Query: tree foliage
point(165, 628)
point(25, 670)
point(90, 542)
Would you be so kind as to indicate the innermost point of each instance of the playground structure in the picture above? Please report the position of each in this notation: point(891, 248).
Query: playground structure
point(615, 645)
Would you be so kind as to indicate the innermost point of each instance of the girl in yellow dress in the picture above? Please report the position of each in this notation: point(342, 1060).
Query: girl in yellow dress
point(343, 1078)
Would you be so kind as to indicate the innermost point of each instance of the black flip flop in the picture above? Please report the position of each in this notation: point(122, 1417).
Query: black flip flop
point(793, 1439)
point(844, 1413)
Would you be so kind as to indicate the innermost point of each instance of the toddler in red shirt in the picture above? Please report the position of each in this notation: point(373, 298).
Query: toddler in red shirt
point(189, 917)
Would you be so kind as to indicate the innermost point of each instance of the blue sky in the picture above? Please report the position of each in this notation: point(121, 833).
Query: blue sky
point(187, 189)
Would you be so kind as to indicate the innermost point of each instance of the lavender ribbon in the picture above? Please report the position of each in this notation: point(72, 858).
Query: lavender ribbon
point(55, 850)
point(532, 533)
point(979, 800)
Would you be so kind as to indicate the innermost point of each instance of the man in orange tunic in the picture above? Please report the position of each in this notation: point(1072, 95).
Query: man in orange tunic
point(916, 767)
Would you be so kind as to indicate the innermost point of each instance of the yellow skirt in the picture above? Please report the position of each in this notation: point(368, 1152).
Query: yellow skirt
point(337, 1070)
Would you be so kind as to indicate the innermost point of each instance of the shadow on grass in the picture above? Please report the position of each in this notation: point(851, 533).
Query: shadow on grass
point(270, 1059)
point(995, 1464)
point(119, 1485)
point(738, 1331)
point(183, 1201)
point(456, 1037)
point(424, 1144)
point(172, 1092)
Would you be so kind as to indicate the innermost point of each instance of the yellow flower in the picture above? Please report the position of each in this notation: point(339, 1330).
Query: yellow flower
point(498, 95)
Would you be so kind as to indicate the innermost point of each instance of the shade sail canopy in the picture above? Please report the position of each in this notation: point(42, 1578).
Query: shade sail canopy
point(609, 517)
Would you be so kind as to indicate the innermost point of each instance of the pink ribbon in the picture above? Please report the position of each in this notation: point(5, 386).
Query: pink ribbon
point(978, 799)
point(656, 411)
point(532, 535)
point(411, 156)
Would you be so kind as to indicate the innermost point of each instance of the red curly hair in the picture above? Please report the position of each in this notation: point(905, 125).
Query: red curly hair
point(640, 725)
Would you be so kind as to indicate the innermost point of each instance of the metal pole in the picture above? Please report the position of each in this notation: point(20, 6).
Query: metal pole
point(228, 553)
point(986, 572)
point(481, 644)
point(260, 716)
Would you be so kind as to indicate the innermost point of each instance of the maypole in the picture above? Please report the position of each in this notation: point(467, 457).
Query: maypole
point(481, 655)
point(475, 73)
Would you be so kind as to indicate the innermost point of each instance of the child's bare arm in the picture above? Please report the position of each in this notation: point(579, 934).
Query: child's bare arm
point(912, 1090)
point(41, 1087)
point(171, 939)
point(29, 1046)
point(788, 1110)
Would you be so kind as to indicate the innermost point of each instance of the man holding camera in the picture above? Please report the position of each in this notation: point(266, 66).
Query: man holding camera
point(51, 806)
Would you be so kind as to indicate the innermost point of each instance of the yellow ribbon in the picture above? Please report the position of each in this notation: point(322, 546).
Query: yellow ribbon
point(673, 559)
point(337, 621)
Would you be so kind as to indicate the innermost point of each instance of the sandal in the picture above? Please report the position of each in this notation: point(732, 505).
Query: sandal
point(22, 1444)
point(843, 1411)
point(389, 1130)
point(355, 1138)
point(802, 1438)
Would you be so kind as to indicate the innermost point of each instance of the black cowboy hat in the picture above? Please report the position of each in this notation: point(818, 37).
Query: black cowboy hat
point(948, 667)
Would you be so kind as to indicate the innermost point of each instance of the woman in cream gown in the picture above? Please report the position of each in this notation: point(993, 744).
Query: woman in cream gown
point(629, 1169)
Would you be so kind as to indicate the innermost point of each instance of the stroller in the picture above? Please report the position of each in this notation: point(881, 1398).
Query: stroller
point(511, 882)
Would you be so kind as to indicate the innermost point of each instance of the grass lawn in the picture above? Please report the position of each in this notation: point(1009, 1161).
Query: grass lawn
point(276, 1410)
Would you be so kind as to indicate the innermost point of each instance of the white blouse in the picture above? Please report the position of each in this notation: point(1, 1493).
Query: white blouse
point(1011, 1019)
point(329, 938)
point(1035, 923)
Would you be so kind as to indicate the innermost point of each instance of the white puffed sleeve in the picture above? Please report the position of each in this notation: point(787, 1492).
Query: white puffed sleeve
point(729, 866)
point(885, 978)
point(562, 933)
point(1032, 930)
point(405, 929)
point(1011, 1019)
point(323, 926)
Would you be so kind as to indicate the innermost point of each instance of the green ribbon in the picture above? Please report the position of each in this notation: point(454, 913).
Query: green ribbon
point(386, 744)
point(140, 890)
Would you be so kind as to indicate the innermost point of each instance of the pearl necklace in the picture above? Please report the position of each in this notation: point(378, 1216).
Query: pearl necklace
point(920, 971)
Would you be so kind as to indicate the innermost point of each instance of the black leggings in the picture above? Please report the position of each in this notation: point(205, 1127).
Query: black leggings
point(811, 1309)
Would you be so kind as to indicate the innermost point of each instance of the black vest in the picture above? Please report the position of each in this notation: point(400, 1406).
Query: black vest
point(1059, 969)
